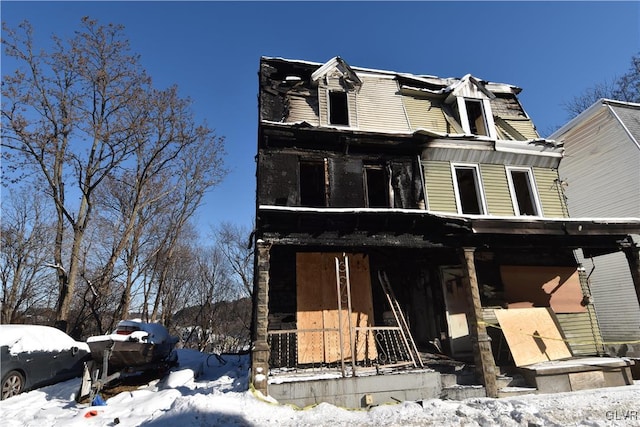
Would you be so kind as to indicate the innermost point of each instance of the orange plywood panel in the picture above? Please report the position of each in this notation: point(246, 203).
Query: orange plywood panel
point(543, 286)
point(309, 285)
point(317, 299)
point(532, 335)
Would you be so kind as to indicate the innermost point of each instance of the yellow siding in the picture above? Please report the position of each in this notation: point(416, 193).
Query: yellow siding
point(550, 192)
point(424, 114)
point(525, 127)
point(439, 183)
point(581, 332)
point(496, 190)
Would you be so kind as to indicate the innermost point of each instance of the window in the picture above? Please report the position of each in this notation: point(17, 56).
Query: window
point(469, 196)
point(313, 183)
point(376, 187)
point(338, 108)
point(476, 117)
point(523, 191)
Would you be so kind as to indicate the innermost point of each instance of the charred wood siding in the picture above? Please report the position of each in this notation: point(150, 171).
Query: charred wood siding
point(496, 190)
point(345, 181)
point(279, 178)
point(550, 192)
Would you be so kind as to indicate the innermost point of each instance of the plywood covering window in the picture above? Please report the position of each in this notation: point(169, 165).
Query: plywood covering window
point(469, 194)
point(376, 186)
point(313, 183)
point(338, 108)
point(523, 191)
point(323, 328)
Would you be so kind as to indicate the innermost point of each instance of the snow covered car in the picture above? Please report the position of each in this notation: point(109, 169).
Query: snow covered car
point(33, 356)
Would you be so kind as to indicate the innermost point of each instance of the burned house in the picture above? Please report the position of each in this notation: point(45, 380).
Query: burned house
point(405, 222)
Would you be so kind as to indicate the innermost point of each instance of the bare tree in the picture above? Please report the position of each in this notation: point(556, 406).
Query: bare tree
point(624, 88)
point(26, 241)
point(84, 115)
point(235, 242)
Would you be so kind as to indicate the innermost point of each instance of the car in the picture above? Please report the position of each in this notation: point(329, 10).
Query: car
point(33, 356)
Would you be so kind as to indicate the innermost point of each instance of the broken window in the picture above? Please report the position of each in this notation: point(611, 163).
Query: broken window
point(523, 193)
point(313, 183)
point(376, 186)
point(476, 117)
point(338, 108)
point(469, 196)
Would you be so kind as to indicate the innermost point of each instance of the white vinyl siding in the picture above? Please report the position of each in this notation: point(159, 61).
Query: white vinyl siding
point(602, 168)
point(301, 111)
point(379, 105)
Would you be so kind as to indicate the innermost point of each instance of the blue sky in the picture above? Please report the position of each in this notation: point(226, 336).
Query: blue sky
point(211, 50)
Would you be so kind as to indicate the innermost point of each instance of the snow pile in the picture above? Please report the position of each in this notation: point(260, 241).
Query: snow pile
point(210, 390)
point(30, 338)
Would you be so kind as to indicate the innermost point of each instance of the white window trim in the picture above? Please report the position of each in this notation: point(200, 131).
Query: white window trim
point(351, 116)
point(532, 187)
point(479, 186)
point(486, 112)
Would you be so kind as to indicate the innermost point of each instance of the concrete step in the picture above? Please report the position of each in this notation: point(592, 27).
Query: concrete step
point(459, 392)
point(516, 391)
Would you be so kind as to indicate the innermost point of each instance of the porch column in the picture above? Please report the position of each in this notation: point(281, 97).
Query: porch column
point(260, 349)
point(483, 356)
point(633, 258)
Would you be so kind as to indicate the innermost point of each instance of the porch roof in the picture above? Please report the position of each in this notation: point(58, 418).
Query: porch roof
point(420, 228)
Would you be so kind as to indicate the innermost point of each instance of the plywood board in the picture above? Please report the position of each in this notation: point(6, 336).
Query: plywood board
point(317, 299)
point(457, 308)
point(309, 307)
point(532, 335)
point(543, 286)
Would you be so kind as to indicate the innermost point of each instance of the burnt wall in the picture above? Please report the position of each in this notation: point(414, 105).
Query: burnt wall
point(279, 178)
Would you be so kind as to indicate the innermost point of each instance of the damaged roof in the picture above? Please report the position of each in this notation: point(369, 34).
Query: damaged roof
point(296, 91)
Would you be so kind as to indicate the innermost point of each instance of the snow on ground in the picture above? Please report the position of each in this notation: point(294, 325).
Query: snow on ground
point(207, 391)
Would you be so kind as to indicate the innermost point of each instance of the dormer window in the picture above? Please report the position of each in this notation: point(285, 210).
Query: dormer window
point(337, 85)
point(338, 108)
point(476, 117)
point(471, 102)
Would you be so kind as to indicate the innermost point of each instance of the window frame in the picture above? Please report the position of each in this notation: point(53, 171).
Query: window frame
point(329, 108)
point(482, 201)
point(385, 175)
point(323, 164)
point(485, 110)
point(533, 189)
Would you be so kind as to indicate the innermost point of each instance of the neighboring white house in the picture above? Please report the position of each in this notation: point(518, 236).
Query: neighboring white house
point(601, 173)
